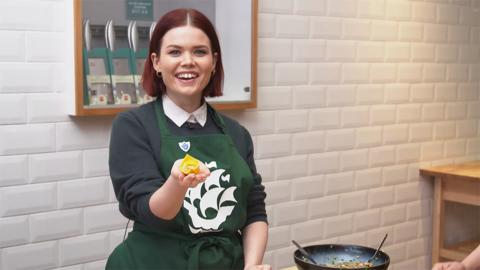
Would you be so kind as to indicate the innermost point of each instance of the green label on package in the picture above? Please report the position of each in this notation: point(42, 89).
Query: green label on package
point(141, 10)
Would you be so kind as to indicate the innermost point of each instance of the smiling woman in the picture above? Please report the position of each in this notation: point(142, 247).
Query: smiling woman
point(186, 219)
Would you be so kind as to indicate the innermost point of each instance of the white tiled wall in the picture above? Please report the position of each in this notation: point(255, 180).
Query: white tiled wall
point(353, 96)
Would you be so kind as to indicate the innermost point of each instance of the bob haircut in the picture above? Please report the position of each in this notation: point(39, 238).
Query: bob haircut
point(155, 86)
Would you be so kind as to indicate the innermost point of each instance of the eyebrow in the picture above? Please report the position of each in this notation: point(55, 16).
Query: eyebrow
point(195, 47)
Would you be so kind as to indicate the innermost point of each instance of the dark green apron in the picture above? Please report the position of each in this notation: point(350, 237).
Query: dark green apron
point(205, 232)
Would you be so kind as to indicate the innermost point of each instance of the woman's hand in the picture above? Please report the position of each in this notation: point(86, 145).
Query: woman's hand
point(258, 267)
point(190, 180)
point(449, 266)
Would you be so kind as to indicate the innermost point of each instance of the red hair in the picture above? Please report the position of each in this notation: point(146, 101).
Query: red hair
point(155, 86)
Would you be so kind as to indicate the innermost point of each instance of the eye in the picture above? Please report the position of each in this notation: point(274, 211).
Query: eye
point(200, 52)
point(174, 52)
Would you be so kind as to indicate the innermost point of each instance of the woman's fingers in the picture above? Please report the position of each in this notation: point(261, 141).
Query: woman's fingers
point(190, 180)
point(448, 266)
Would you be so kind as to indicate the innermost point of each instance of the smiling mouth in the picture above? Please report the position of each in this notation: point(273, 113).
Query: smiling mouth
point(186, 76)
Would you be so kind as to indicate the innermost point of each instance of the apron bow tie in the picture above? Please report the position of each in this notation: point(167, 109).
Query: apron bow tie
point(218, 248)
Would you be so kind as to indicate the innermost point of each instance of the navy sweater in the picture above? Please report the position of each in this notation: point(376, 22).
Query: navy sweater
point(134, 160)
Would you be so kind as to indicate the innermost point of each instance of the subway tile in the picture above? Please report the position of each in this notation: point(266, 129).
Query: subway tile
point(291, 167)
point(324, 118)
point(308, 142)
point(326, 27)
point(274, 50)
point(83, 134)
point(371, 8)
point(368, 136)
point(279, 237)
point(291, 73)
point(40, 256)
point(55, 166)
point(340, 50)
point(308, 97)
point(324, 207)
point(398, 52)
point(290, 213)
point(355, 29)
point(266, 25)
point(365, 220)
point(341, 8)
point(274, 98)
point(343, 95)
point(380, 197)
point(101, 218)
point(433, 112)
point(17, 139)
point(323, 163)
point(398, 10)
point(370, 51)
point(339, 183)
point(307, 50)
point(435, 33)
point(83, 192)
point(14, 108)
point(275, 6)
point(14, 170)
point(291, 26)
point(410, 31)
point(338, 225)
point(370, 94)
point(275, 145)
point(355, 73)
point(82, 249)
point(15, 231)
point(354, 159)
point(27, 199)
point(423, 12)
point(310, 7)
point(421, 132)
point(368, 178)
point(309, 187)
point(56, 225)
point(406, 153)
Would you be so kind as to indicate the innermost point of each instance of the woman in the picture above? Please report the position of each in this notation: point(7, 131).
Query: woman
point(214, 219)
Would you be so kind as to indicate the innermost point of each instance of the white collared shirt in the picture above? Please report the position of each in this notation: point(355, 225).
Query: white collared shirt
point(180, 116)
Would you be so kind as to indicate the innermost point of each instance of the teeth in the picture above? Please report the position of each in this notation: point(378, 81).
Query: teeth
point(186, 76)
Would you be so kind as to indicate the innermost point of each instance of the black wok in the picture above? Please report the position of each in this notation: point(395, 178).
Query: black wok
point(328, 254)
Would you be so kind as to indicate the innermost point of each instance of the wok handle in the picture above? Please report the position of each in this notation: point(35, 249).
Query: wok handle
point(304, 252)
point(379, 247)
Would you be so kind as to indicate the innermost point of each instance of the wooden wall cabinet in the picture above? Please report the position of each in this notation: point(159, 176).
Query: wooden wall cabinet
point(240, 86)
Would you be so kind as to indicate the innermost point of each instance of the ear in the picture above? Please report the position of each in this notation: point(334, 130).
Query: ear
point(155, 61)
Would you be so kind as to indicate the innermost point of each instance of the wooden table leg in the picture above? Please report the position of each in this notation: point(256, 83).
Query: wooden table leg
point(438, 210)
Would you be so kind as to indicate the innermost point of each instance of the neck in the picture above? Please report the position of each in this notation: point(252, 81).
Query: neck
point(189, 104)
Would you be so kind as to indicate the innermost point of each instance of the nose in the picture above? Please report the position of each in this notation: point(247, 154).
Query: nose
point(188, 59)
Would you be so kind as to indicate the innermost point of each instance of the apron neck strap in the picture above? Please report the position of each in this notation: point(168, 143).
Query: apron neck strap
point(161, 119)
point(220, 123)
point(217, 118)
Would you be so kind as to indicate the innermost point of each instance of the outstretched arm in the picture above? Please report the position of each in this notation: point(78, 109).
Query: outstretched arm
point(471, 262)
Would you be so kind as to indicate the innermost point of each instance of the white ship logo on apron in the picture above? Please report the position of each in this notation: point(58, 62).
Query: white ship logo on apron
point(185, 146)
point(208, 194)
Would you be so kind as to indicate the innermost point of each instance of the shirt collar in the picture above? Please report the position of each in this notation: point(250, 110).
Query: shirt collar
point(180, 116)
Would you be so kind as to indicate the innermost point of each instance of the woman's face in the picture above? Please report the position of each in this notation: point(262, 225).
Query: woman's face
point(186, 62)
